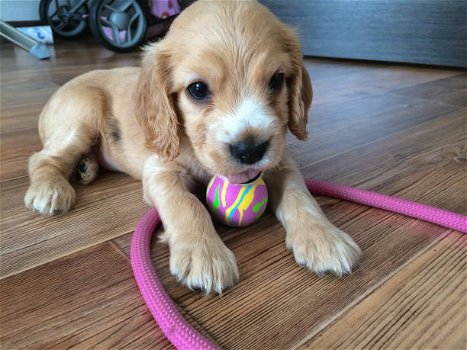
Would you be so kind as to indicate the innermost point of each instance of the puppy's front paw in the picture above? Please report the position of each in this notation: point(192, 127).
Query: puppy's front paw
point(50, 197)
point(323, 248)
point(206, 265)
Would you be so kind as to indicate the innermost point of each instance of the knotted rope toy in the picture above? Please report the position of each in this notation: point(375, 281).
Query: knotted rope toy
point(178, 331)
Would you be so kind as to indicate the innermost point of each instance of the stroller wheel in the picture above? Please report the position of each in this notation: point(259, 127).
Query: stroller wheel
point(119, 24)
point(67, 18)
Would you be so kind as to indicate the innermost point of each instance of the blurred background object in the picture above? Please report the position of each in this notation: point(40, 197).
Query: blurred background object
point(26, 42)
point(410, 31)
point(120, 25)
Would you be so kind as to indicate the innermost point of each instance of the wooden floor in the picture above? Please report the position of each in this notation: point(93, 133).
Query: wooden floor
point(400, 130)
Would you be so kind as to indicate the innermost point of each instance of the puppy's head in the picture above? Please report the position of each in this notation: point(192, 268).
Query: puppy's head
point(227, 81)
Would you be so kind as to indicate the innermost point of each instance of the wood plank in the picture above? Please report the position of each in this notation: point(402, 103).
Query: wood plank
point(15, 150)
point(85, 300)
point(68, 61)
point(108, 208)
point(375, 79)
point(429, 155)
point(420, 307)
point(452, 90)
point(329, 72)
point(340, 127)
point(25, 101)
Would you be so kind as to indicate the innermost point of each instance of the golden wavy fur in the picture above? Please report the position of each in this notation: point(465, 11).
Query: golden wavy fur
point(215, 96)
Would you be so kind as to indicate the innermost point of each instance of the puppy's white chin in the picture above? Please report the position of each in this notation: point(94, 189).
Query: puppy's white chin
point(244, 176)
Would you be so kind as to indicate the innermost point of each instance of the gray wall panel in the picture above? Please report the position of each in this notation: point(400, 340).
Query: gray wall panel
point(414, 31)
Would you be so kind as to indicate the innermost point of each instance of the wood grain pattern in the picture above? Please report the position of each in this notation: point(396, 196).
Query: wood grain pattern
point(384, 115)
point(15, 149)
point(66, 281)
point(70, 303)
point(421, 307)
point(277, 303)
point(431, 152)
point(451, 90)
point(368, 80)
point(22, 100)
point(30, 240)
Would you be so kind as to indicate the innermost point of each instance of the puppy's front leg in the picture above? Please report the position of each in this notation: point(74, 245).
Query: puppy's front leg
point(316, 243)
point(198, 257)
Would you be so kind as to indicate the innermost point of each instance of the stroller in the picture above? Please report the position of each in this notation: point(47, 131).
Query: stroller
point(120, 25)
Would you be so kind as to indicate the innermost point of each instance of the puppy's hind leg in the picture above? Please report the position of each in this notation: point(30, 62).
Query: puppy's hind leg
point(87, 168)
point(68, 128)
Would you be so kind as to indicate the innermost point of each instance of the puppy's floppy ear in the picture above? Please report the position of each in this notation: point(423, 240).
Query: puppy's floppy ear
point(300, 93)
point(155, 109)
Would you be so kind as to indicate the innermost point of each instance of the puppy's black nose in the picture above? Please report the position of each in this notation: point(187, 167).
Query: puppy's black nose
point(248, 151)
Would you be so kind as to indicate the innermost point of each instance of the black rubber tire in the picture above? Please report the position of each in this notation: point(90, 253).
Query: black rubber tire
point(43, 13)
point(99, 35)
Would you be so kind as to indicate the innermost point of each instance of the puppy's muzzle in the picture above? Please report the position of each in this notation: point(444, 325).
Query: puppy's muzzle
point(249, 151)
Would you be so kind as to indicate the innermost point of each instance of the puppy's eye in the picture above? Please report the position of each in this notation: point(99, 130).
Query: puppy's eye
point(276, 82)
point(199, 91)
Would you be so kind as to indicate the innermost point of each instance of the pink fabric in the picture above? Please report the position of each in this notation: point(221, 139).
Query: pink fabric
point(178, 330)
point(165, 8)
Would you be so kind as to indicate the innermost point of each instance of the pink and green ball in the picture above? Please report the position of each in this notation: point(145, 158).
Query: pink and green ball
point(236, 205)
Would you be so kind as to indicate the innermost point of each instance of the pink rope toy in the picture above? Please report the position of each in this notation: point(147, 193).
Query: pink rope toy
point(179, 332)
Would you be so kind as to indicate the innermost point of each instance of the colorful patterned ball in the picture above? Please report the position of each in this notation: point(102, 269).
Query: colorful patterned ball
point(236, 204)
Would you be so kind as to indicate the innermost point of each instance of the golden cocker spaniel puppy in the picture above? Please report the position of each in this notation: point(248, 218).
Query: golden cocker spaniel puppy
point(215, 96)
